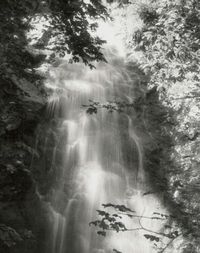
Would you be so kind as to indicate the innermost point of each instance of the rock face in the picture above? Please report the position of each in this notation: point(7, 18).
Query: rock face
point(22, 214)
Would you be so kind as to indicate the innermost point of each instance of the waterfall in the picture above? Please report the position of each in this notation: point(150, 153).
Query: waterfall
point(102, 159)
point(100, 156)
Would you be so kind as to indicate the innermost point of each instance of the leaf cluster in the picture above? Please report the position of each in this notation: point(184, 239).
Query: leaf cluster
point(108, 222)
point(110, 106)
point(112, 221)
point(72, 25)
point(170, 40)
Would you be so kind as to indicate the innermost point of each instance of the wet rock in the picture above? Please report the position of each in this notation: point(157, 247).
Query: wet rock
point(14, 182)
point(21, 109)
point(29, 93)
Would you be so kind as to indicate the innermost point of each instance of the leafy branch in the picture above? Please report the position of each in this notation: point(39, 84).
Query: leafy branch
point(111, 106)
point(112, 221)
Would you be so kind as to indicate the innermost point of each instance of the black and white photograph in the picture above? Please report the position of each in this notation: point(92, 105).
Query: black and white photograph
point(100, 126)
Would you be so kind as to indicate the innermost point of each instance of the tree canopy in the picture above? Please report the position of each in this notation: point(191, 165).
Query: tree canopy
point(70, 23)
point(170, 40)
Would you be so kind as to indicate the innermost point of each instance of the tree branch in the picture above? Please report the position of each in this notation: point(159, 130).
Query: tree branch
point(141, 216)
point(168, 244)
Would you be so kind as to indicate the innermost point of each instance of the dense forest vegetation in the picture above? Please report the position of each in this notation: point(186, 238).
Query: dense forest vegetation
point(170, 40)
point(169, 55)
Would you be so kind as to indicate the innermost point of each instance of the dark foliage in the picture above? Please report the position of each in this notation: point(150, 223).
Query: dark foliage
point(110, 106)
point(72, 22)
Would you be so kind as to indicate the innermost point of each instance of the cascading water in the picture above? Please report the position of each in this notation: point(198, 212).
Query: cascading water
point(102, 159)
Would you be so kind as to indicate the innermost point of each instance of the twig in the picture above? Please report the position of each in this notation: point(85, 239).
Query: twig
point(151, 231)
point(170, 242)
